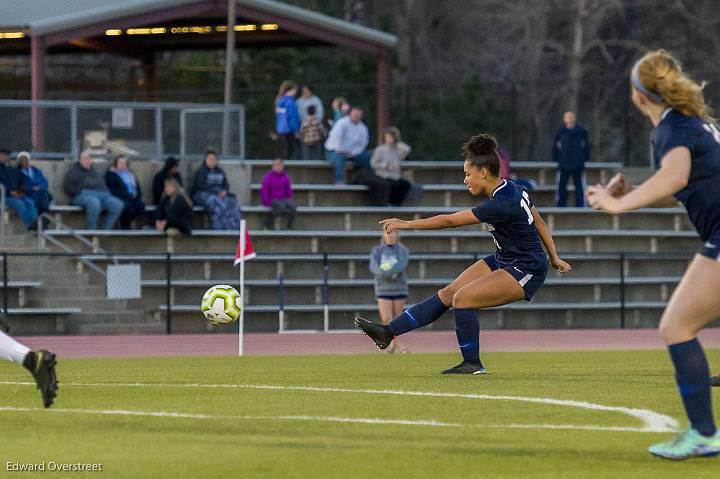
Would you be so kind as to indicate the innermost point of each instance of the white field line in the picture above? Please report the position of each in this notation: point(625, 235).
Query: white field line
point(651, 420)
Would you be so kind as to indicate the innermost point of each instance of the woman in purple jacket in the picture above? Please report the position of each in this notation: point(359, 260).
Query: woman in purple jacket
point(287, 120)
point(277, 194)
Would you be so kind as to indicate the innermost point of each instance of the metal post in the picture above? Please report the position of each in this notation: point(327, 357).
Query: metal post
point(622, 290)
point(229, 64)
point(241, 133)
point(168, 296)
point(74, 145)
point(159, 147)
point(281, 303)
point(5, 284)
point(326, 295)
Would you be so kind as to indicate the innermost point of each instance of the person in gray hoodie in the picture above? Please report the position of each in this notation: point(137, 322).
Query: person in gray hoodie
point(388, 262)
point(86, 187)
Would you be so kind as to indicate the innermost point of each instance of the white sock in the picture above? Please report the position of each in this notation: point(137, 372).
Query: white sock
point(11, 349)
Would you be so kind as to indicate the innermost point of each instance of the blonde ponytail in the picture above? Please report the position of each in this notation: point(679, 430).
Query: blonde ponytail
point(659, 75)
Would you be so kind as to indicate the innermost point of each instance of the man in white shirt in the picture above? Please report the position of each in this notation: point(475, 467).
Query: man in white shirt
point(348, 140)
point(307, 99)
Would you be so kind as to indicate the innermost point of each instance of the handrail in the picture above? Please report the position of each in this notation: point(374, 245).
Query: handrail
point(2, 214)
point(67, 249)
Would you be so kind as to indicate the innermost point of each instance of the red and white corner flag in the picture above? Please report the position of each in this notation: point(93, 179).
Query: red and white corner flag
point(244, 250)
point(243, 253)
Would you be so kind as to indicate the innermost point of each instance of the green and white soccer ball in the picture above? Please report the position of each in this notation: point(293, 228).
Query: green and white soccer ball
point(221, 304)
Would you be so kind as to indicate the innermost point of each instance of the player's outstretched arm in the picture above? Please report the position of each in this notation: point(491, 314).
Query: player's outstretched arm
point(547, 239)
point(461, 218)
point(657, 191)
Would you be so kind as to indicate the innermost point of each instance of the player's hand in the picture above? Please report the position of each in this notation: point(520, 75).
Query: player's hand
point(600, 199)
point(560, 265)
point(618, 185)
point(393, 224)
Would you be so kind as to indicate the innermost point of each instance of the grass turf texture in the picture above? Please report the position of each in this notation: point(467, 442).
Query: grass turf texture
point(156, 447)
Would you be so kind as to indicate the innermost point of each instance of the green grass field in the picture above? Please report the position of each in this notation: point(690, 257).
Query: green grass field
point(246, 432)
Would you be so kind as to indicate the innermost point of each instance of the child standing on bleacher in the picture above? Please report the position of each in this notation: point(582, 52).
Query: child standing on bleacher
point(312, 133)
point(388, 262)
point(277, 194)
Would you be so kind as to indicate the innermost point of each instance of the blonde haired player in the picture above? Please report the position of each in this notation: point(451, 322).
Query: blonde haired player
point(686, 149)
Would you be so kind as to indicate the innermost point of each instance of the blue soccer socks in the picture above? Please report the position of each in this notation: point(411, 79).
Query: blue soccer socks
point(418, 316)
point(693, 379)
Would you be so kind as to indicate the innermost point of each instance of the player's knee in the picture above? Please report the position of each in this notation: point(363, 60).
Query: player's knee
point(673, 331)
point(461, 300)
point(446, 295)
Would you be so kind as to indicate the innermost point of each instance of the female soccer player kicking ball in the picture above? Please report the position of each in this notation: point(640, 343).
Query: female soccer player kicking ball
point(686, 146)
point(514, 273)
point(41, 365)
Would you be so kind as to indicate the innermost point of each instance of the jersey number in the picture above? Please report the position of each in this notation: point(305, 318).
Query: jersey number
point(524, 203)
point(712, 129)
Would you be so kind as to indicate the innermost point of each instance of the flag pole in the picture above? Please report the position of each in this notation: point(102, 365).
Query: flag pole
point(241, 321)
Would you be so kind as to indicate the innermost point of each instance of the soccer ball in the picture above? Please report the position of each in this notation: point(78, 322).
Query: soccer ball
point(221, 304)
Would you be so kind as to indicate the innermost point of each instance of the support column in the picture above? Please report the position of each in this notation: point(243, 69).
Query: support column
point(383, 91)
point(148, 62)
point(38, 50)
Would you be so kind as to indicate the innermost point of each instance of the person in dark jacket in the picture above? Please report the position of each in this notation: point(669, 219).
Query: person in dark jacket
point(571, 150)
point(123, 184)
point(174, 210)
point(211, 190)
point(169, 170)
point(287, 121)
point(86, 187)
point(15, 188)
point(37, 184)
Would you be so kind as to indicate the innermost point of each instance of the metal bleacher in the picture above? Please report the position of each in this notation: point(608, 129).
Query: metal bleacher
point(625, 267)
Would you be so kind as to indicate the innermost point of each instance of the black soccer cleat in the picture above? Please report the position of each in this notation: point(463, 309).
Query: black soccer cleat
point(41, 365)
point(381, 335)
point(466, 367)
point(715, 381)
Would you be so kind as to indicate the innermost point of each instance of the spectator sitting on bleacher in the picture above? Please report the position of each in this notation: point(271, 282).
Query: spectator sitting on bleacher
point(348, 141)
point(211, 190)
point(85, 187)
point(277, 194)
point(505, 174)
point(174, 210)
point(312, 133)
point(386, 162)
point(15, 187)
point(123, 184)
point(170, 170)
point(37, 184)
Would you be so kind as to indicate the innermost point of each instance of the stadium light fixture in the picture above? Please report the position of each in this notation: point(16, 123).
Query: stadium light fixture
point(269, 26)
point(113, 32)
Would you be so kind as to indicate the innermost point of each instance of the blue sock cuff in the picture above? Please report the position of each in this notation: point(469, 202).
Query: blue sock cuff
point(680, 349)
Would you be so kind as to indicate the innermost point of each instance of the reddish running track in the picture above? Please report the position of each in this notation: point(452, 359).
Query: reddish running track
point(349, 343)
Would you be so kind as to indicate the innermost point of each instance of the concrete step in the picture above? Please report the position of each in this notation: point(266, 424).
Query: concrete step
point(454, 241)
point(432, 171)
point(186, 319)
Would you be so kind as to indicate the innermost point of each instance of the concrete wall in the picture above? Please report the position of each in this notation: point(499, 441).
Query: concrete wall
point(238, 174)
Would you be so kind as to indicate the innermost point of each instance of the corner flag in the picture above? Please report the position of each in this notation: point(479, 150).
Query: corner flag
point(243, 253)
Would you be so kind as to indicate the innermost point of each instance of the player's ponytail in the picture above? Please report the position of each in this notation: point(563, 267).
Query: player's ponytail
point(481, 152)
point(660, 77)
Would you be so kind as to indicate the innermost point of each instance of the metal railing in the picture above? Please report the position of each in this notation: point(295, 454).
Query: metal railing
point(164, 287)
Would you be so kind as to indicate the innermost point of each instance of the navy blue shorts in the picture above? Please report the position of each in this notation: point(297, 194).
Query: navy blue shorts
point(530, 280)
point(711, 248)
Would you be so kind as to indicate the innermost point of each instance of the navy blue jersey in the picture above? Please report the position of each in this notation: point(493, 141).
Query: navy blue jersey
point(701, 196)
point(507, 216)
